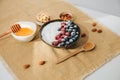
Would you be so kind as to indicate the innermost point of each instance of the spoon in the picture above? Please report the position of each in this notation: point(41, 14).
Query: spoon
point(87, 47)
point(14, 28)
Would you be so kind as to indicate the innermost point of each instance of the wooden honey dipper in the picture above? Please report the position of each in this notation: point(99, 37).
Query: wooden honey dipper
point(14, 28)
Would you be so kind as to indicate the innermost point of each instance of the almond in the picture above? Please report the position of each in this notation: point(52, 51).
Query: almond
point(99, 31)
point(94, 24)
point(94, 30)
point(41, 62)
point(26, 66)
point(83, 35)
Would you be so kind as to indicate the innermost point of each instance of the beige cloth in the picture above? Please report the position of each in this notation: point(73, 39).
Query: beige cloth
point(16, 54)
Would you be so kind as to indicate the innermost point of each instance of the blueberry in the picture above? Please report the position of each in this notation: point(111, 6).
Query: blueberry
point(68, 26)
point(72, 33)
point(68, 22)
point(76, 36)
point(67, 42)
point(74, 39)
point(69, 30)
point(74, 30)
point(62, 44)
point(71, 27)
point(77, 32)
point(70, 40)
point(66, 39)
point(75, 26)
point(58, 45)
point(69, 37)
point(66, 30)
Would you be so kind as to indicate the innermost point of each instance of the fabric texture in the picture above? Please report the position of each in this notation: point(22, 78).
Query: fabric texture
point(16, 54)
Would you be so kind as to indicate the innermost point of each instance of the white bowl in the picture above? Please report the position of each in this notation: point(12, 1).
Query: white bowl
point(27, 38)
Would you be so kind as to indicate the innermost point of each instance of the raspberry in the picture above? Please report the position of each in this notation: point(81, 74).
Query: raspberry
point(67, 33)
point(55, 43)
point(62, 36)
point(62, 32)
point(59, 40)
point(57, 37)
point(63, 24)
point(62, 29)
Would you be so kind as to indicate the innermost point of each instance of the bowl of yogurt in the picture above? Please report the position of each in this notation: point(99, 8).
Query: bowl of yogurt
point(59, 33)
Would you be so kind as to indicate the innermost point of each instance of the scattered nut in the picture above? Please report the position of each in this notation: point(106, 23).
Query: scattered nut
point(83, 35)
point(94, 30)
point(94, 24)
point(26, 66)
point(41, 62)
point(99, 31)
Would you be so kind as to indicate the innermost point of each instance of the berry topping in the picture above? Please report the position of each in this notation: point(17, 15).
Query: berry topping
point(66, 38)
point(69, 30)
point(66, 30)
point(77, 32)
point(67, 33)
point(57, 37)
point(76, 36)
point(69, 22)
point(63, 24)
point(70, 40)
point(67, 42)
point(62, 32)
point(75, 26)
point(62, 36)
point(59, 40)
point(72, 33)
point(62, 44)
point(55, 43)
point(71, 27)
point(62, 29)
point(74, 30)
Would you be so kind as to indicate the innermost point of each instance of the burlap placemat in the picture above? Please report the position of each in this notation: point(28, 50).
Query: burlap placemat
point(16, 54)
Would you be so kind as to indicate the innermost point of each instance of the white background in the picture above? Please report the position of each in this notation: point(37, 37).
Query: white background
point(107, 6)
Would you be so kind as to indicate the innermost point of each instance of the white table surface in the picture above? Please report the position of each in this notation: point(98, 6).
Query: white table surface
point(111, 70)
